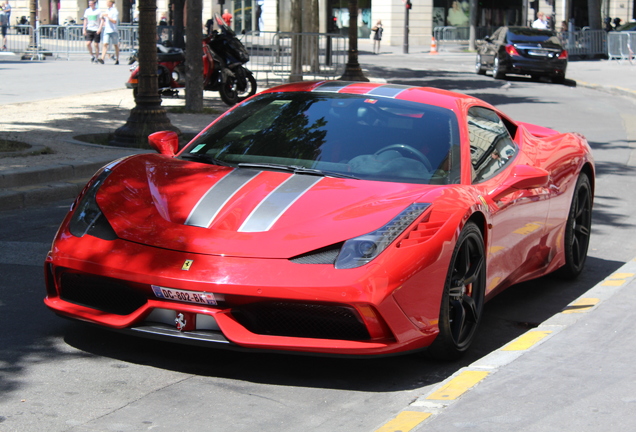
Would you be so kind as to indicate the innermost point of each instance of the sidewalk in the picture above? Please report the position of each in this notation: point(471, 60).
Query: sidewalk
point(31, 180)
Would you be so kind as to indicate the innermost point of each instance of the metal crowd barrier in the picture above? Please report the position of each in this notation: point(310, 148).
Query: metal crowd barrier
point(585, 43)
point(449, 36)
point(621, 46)
point(321, 55)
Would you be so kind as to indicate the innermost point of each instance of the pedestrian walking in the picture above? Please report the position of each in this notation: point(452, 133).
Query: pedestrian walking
point(111, 35)
point(93, 25)
point(7, 10)
point(377, 36)
point(5, 22)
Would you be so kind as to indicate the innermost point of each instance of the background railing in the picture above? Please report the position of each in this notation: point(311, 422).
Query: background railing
point(322, 56)
point(621, 46)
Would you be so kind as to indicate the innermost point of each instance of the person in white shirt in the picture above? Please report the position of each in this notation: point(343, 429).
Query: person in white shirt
point(92, 29)
point(541, 22)
point(111, 35)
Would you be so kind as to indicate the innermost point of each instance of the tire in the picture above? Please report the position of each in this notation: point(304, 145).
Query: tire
point(577, 231)
point(228, 92)
point(479, 67)
point(250, 88)
point(463, 297)
point(558, 79)
point(496, 70)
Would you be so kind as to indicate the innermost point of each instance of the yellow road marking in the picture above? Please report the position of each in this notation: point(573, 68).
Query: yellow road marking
point(611, 282)
point(404, 421)
point(617, 279)
point(458, 385)
point(621, 275)
point(583, 305)
point(525, 341)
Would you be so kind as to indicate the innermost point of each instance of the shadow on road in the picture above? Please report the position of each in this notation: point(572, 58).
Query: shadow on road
point(507, 316)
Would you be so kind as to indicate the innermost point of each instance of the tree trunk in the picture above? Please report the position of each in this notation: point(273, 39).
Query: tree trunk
point(296, 41)
point(178, 41)
point(194, 59)
point(594, 14)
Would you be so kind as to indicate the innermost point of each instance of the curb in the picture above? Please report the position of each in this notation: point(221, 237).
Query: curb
point(613, 90)
point(21, 188)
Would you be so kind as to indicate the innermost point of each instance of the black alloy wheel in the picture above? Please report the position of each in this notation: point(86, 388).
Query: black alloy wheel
point(577, 230)
point(463, 298)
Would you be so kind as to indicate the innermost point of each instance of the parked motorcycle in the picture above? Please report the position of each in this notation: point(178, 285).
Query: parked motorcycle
point(223, 58)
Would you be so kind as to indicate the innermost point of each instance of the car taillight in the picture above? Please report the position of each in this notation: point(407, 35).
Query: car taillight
point(510, 49)
point(563, 55)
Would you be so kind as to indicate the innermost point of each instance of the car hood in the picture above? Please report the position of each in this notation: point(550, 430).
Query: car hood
point(200, 208)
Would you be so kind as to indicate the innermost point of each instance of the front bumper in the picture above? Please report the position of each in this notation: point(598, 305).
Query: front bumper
point(523, 66)
point(264, 304)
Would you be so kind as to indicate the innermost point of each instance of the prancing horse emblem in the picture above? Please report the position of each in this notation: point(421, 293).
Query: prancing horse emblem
point(187, 264)
point(180, 321)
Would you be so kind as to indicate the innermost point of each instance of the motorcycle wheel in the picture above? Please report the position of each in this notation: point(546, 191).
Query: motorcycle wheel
point(250, 88)
point(228, 92)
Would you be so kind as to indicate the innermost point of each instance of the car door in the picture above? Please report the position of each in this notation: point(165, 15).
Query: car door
point(515, 241)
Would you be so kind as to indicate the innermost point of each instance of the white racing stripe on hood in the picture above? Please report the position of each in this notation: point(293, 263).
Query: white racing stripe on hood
point(217, 196)
point(265, 215)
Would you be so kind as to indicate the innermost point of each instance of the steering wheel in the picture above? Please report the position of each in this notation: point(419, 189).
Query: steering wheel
point(418, 154)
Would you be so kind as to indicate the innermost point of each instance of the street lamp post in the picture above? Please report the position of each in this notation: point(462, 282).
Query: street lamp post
point(148, 116)
point(353, 72)
point(407, 5)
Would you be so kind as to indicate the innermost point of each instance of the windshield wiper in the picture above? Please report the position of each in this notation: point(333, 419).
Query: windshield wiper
point(297, 170)
point(206, 158)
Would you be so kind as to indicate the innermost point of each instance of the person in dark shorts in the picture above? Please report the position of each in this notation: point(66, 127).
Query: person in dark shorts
point(93, 25)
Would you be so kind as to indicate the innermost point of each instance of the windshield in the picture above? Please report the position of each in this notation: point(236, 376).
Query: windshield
point(357, 136)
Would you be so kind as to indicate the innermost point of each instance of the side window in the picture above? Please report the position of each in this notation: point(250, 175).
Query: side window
point(491, 147)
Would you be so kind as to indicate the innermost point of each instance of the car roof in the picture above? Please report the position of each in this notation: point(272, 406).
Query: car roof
point(427, 95)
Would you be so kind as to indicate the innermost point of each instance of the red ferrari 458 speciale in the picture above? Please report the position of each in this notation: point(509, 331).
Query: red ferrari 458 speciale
point(326, 217)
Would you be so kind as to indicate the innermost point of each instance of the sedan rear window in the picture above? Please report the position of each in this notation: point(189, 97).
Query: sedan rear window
point(529, 35)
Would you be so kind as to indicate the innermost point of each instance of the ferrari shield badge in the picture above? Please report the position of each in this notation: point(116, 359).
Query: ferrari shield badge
point(180, 321)
point(187, 264)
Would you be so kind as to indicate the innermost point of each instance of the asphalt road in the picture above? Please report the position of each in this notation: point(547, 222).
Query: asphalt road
point(58, 375)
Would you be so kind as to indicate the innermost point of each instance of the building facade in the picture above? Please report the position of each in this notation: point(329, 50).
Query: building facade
point(423, 16)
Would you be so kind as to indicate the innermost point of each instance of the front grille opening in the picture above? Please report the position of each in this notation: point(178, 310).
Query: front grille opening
point(326, 255)
point(302, 320)
point(104, 294)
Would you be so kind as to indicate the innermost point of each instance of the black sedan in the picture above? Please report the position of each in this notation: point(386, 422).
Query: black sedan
point(524, 51)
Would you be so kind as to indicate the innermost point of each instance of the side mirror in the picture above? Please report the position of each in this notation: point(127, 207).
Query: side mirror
point(164, 142)
point(521, 177)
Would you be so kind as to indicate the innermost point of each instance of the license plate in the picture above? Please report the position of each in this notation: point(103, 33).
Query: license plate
point(539, 53)
point(183, 295)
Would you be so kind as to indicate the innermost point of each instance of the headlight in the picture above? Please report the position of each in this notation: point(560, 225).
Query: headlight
point(361, 250)
point(87, 217)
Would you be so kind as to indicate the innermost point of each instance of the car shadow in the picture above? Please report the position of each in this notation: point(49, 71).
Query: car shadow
point(507, 316)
